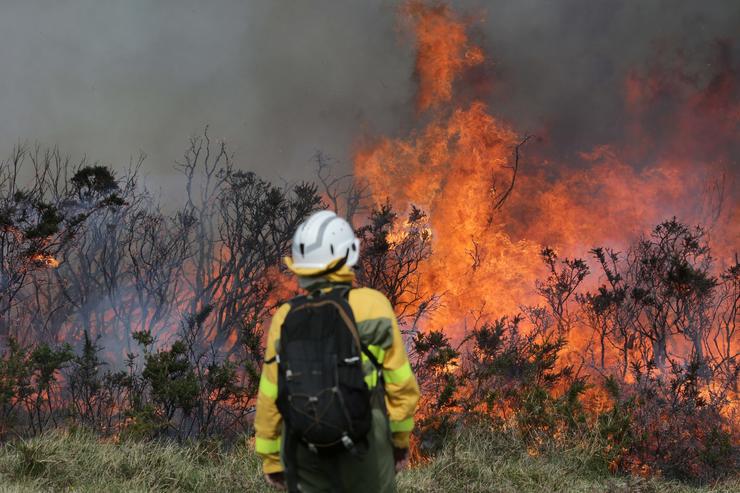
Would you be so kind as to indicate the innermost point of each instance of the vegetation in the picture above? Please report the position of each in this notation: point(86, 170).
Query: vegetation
point(79, 461)
point(131, 342)
point(671, 417)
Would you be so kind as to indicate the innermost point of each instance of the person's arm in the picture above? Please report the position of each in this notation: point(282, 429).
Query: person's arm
point(377, 323)
point(267, 421)
point(401, 389)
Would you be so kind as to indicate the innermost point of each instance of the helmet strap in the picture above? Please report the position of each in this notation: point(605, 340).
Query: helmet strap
point(334, 268)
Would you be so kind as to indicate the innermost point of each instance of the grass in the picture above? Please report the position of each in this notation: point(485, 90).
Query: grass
point(60, 461)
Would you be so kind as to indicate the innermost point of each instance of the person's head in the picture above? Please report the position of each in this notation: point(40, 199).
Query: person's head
point(323, 244)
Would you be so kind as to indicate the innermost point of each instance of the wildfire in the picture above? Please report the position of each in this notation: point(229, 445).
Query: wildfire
point(446, 168)
point(402, 231)
point(460, 159)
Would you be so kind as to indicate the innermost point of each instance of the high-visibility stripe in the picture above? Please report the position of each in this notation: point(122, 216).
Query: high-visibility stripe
point(371, 379)
point(399, 375)
point(266, 446)
point(404, 425)
point(378, 352)
point(371, 373)
point(267, 388)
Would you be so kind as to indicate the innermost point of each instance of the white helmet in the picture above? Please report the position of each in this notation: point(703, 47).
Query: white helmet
point(323, 238)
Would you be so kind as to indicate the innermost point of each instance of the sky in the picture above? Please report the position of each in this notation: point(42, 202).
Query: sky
point(279, 80)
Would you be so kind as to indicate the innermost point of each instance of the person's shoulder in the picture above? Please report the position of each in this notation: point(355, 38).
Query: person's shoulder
point(368, 295)
point(286, 304)
point(276, 324)
point(369, 302)
point(282, 310)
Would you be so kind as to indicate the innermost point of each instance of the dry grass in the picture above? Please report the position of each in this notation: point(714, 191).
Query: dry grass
point(79, 462)
point(502, 464)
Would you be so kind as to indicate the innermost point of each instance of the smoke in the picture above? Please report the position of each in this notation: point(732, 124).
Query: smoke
point(276, 80)
point(279, 80)
point(562, 66)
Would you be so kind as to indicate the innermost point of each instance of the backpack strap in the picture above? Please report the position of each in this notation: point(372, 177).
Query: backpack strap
point(297, 300)
point(290, 456)
point(343, 292)
point(371, 357)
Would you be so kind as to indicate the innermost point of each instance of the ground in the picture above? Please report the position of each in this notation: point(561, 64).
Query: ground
point(80, 462)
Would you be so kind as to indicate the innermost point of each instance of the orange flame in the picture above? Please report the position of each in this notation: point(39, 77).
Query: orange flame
point(459, 163)
point(46, 260)
point(455, 169)
point(443, 51)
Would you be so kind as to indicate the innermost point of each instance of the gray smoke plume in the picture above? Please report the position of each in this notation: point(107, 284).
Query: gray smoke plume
point(279, 80)
point(563, 65)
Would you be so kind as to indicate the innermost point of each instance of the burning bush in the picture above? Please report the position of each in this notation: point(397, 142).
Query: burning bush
point(663, 425)
point(518, 373)
point(651, 390)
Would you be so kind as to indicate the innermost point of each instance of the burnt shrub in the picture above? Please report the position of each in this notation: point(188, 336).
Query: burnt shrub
point(666, 425)
point(499, 376)
point(99, 398)
point(31, 395)
point(15, 385)
point(436, 369)
point(518, 376)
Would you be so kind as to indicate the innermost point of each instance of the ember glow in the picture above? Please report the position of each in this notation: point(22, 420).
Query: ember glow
point(46, 260)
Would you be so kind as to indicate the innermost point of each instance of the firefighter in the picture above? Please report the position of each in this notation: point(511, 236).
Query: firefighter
point(324, 250)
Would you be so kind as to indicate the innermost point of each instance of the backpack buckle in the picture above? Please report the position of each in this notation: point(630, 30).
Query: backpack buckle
point(347, 442)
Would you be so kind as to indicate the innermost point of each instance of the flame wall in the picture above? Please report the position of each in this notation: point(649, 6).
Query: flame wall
point(455, 161)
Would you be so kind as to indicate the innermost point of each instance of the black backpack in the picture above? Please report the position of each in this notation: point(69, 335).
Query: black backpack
point(322, 394)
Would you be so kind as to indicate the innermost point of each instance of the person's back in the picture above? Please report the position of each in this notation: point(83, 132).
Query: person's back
point(324, 249)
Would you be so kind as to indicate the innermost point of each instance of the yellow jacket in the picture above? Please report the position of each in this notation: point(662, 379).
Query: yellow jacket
point(378, 328)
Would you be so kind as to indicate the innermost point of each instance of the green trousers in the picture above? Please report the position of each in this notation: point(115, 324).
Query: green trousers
point(373, 472)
